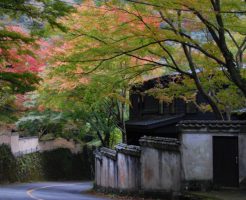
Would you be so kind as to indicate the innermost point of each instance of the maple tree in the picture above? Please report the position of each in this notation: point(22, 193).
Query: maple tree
point(23, 51)
point(176, 36)
point(22, 63)
point(98, 101)
point(114, 44)
point(21, 48)
point(18, 45)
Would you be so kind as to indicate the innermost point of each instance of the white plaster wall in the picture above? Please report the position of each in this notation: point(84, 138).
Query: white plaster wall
point(5, 139)
point(32, 144)
point(112, 174)
point(123, 175)
point(28, 144)
point(128, 172)
point(197, 156)
point(149, 169)
point(98, 172)
point(59, 143)
point(134, 172)
point(14, 143)
point(104, 172)
point(170, 172)
point(160, 170)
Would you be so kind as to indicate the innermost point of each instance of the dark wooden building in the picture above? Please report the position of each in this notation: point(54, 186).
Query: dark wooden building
point(149, 116)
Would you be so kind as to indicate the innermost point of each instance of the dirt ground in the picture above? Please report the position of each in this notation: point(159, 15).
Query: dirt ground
point(211, 195)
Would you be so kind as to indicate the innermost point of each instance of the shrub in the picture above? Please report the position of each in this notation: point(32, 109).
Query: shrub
point(7, 164)
point(59, 164)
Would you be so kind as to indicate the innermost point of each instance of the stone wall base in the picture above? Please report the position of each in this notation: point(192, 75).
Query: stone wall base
point(106, 190)
point(156, 194)
point(197, 185)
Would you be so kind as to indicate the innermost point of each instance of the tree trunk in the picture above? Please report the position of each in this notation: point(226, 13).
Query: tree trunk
point(199, 85)
point(210, 101)
point(107, 139)
point(100, 138)
point(235, 75)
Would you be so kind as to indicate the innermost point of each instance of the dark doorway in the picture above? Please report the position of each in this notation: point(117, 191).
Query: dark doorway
point(225, 159)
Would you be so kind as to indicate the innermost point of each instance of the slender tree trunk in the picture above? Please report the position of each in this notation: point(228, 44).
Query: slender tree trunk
point(208, 98)
point(235, 74)
point(123, 106)
point(100, 138)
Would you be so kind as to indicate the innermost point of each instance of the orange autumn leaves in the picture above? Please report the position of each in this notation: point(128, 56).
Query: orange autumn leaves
point(97, 28)
point(20, 57)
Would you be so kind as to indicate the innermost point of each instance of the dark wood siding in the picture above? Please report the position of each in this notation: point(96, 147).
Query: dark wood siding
point(135, 106)
point(150, 105)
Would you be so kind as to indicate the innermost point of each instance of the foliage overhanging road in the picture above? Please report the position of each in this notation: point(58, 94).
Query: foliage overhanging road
point(48, 191)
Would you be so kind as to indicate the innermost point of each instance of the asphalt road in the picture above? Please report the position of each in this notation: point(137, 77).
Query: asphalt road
point(48, 191)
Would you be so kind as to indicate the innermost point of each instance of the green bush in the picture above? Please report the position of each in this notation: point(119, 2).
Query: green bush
point(29, 168)
point(59, 164)
point(7, 164)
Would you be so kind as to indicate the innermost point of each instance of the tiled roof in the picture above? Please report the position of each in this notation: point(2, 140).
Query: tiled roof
point(211, 124)
point(128, 149)
point(160, 142)
point(153, 123)
point(110, 153)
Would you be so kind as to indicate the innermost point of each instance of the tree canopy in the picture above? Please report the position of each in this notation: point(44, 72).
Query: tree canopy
point(204, 44)
point(19, 46)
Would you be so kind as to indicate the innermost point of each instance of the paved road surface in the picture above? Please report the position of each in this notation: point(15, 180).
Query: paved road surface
point(47, 191)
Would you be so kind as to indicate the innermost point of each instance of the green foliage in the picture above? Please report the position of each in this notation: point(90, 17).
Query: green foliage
point(115, 137)
point(122, 41)
point(91, 107)
point(226, 95)
point(14, 40)
point(42, 123)
point(7, 164)
point(38, 12)
point(29, 168)
point(59, 164)
point(19, 82)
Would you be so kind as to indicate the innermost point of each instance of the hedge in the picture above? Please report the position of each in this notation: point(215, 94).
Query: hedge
point(59, 164)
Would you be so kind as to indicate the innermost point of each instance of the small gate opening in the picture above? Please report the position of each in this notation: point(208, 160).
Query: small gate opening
point(225, 161)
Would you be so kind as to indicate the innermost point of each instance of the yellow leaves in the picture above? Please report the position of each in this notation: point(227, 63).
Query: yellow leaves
point(119, 97)
point(205, 107)
point(62, 83)
point(84, 80)
point(67, 86)
point(160, 94)
point(79, 70)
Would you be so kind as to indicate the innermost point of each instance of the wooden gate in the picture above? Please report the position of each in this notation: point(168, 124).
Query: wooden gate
point(225, 161)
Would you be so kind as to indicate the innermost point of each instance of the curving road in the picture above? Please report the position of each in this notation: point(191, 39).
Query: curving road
point(48, 191)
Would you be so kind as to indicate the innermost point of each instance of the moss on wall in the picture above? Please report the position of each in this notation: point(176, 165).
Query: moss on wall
point(59, 164)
